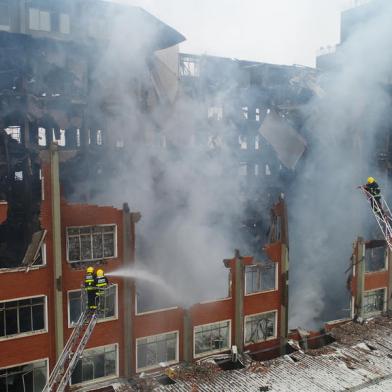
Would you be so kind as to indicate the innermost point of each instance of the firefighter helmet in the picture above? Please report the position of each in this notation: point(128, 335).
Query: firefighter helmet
point(90, 270)
point(371, 180)
point(100, 273)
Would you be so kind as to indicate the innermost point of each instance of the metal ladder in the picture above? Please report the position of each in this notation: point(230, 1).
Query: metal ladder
point(383, 215)
point(72, 352)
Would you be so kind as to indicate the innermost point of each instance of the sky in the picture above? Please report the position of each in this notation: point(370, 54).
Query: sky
point(273, 31)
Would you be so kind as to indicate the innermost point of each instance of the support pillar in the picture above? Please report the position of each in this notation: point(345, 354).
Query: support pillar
point(359, 272)
point(239, 302)
point(284, 303)
point(188, 337)
point(57, 259)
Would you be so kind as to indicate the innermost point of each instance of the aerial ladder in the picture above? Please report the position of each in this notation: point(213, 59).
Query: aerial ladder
point(382, 213)
point(73, 350)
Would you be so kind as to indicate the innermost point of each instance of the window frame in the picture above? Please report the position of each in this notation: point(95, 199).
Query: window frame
point(100, 379)
point(28, 333)
point(275, 335)
point(146, 368)
point(115, 251)
point(384, 308)
point(276, 287)
point(217, 351)
point(46, 360)
point(39, 27)
point(99, 320)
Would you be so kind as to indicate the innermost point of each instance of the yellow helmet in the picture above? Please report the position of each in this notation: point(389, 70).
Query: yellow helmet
point(90, 270)
point(371, 180)
point(100, 273)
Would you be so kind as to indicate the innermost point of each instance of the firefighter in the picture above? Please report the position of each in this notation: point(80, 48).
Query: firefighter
point(373, 188)
point(89, 286)
point(101, 283)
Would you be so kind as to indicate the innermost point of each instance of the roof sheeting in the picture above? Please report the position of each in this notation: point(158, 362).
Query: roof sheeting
point(288, 144)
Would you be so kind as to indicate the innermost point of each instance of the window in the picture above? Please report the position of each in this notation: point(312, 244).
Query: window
point(29, 377)
point(13, 131)
point(64, 26)
point(152, 350)
point(39, 19)
point(91, 243)
point(96, 363)
point(259, 278)
point(260, 327)
point(210, 338)
point(21, 316)
point(189, 66)
point(215, 112)
point(75, 304)
point(374, 301)
point(243, 169)
point(243, 142)
point(375, 259)
point(4, 17)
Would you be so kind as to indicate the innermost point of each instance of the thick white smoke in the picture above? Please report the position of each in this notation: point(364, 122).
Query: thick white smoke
point(327, 213)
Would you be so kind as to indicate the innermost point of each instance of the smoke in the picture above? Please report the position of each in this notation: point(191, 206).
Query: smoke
point(344, 128)
point(167, 162)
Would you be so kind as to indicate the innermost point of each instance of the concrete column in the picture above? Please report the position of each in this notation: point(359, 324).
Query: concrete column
point(57, 259)
point(239, 303)
point(283, 281)
point(128, 258)
point(389, 266)
point(360, 277)
point(188, 337)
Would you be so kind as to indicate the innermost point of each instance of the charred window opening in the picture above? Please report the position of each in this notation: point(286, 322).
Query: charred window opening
point(14, 132)
point(375, 258)
point(91, 243)
point(211, 338)
point(20, 186)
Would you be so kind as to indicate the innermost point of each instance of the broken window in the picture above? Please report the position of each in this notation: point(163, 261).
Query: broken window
point(373, 302)
point(30, 377)
point(189, 66)
point(96, 363)
point(375, 259)
point(91, 243)
point(260, 277)
point(257, 117)
point(245, 112)
point(257, 142)
point(99, 137)
point(152, 350)
point(243, 142)
point(260, 327)
point(109, 304)
point(21, 316)
point(64, 24)
point(39, 20)
point(5, 21)
point(14, 132)
point(42, 137)
point(211, 338)
point(215, 112)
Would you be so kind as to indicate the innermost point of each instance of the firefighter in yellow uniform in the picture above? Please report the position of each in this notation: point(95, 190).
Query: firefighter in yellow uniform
point(101, 283)
point(89, 286)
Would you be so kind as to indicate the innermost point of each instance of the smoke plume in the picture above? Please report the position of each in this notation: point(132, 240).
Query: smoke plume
point(344, 129)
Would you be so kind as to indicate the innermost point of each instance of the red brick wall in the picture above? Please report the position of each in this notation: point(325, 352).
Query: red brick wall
point(3, 211)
